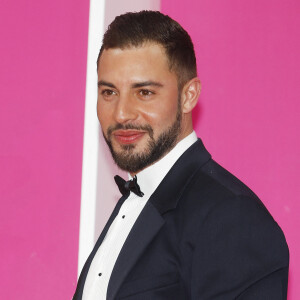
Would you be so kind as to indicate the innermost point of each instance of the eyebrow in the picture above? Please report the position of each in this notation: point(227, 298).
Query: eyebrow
point(102, 82)
point(134, 85)
point(146, 83)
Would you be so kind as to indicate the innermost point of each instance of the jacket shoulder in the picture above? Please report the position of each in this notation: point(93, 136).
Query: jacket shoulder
point(232, 236)
point(225, 212)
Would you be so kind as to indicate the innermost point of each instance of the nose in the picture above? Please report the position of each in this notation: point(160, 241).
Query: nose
point(125, 110)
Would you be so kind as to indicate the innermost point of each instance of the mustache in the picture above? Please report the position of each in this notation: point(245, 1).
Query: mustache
point(120, 126)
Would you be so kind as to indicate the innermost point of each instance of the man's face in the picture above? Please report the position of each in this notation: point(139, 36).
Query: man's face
point(138, 105)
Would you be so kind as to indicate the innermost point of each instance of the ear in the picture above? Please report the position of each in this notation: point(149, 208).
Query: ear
point(190, 94)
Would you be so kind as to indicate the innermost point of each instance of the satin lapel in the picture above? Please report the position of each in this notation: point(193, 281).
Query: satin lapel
point(144, 230)
point(82, 278)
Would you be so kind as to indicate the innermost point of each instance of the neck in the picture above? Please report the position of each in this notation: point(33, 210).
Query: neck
point(181, 136)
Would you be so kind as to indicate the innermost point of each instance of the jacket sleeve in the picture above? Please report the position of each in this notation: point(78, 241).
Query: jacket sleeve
point(273, 286)
point(240, 253)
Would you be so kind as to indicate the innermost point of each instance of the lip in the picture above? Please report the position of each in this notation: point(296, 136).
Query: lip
point(128, 136)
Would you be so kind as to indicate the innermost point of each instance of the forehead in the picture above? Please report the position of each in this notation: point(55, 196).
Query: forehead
point(148, 62)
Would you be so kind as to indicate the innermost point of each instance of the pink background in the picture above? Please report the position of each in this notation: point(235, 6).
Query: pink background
point(248, 115)
point(43, 69)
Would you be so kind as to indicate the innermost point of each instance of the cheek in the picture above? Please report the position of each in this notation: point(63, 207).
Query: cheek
point(161, 116)
point(169, 106)
point(103, 116)
point(98, 110)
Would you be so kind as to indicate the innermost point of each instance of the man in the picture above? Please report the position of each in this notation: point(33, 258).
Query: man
point(185, 228)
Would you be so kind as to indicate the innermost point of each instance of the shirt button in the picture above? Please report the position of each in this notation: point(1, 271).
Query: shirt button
point(99, 274)
point(123, 216)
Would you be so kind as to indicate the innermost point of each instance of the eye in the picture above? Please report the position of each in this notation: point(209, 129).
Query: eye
point(145, 93)
point(107, 93)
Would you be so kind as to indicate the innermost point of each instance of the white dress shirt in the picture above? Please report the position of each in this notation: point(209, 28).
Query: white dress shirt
point(102, 265)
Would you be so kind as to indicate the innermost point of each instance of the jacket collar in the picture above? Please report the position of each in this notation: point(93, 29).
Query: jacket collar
point(169, 191)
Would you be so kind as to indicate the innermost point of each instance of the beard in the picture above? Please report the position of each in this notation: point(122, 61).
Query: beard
point(132, 162)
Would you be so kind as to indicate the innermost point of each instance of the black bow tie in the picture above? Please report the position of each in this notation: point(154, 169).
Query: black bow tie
point(130, 185)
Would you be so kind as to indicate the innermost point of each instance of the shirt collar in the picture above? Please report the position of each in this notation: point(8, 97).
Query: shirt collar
point(151, 177)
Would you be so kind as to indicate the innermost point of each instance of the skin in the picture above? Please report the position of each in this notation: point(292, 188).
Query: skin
point(137, 88)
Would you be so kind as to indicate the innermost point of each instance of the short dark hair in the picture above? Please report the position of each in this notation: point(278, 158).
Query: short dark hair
point(135, 29)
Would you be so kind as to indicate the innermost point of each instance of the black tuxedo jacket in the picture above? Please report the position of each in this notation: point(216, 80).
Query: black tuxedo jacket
point(202, 235)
